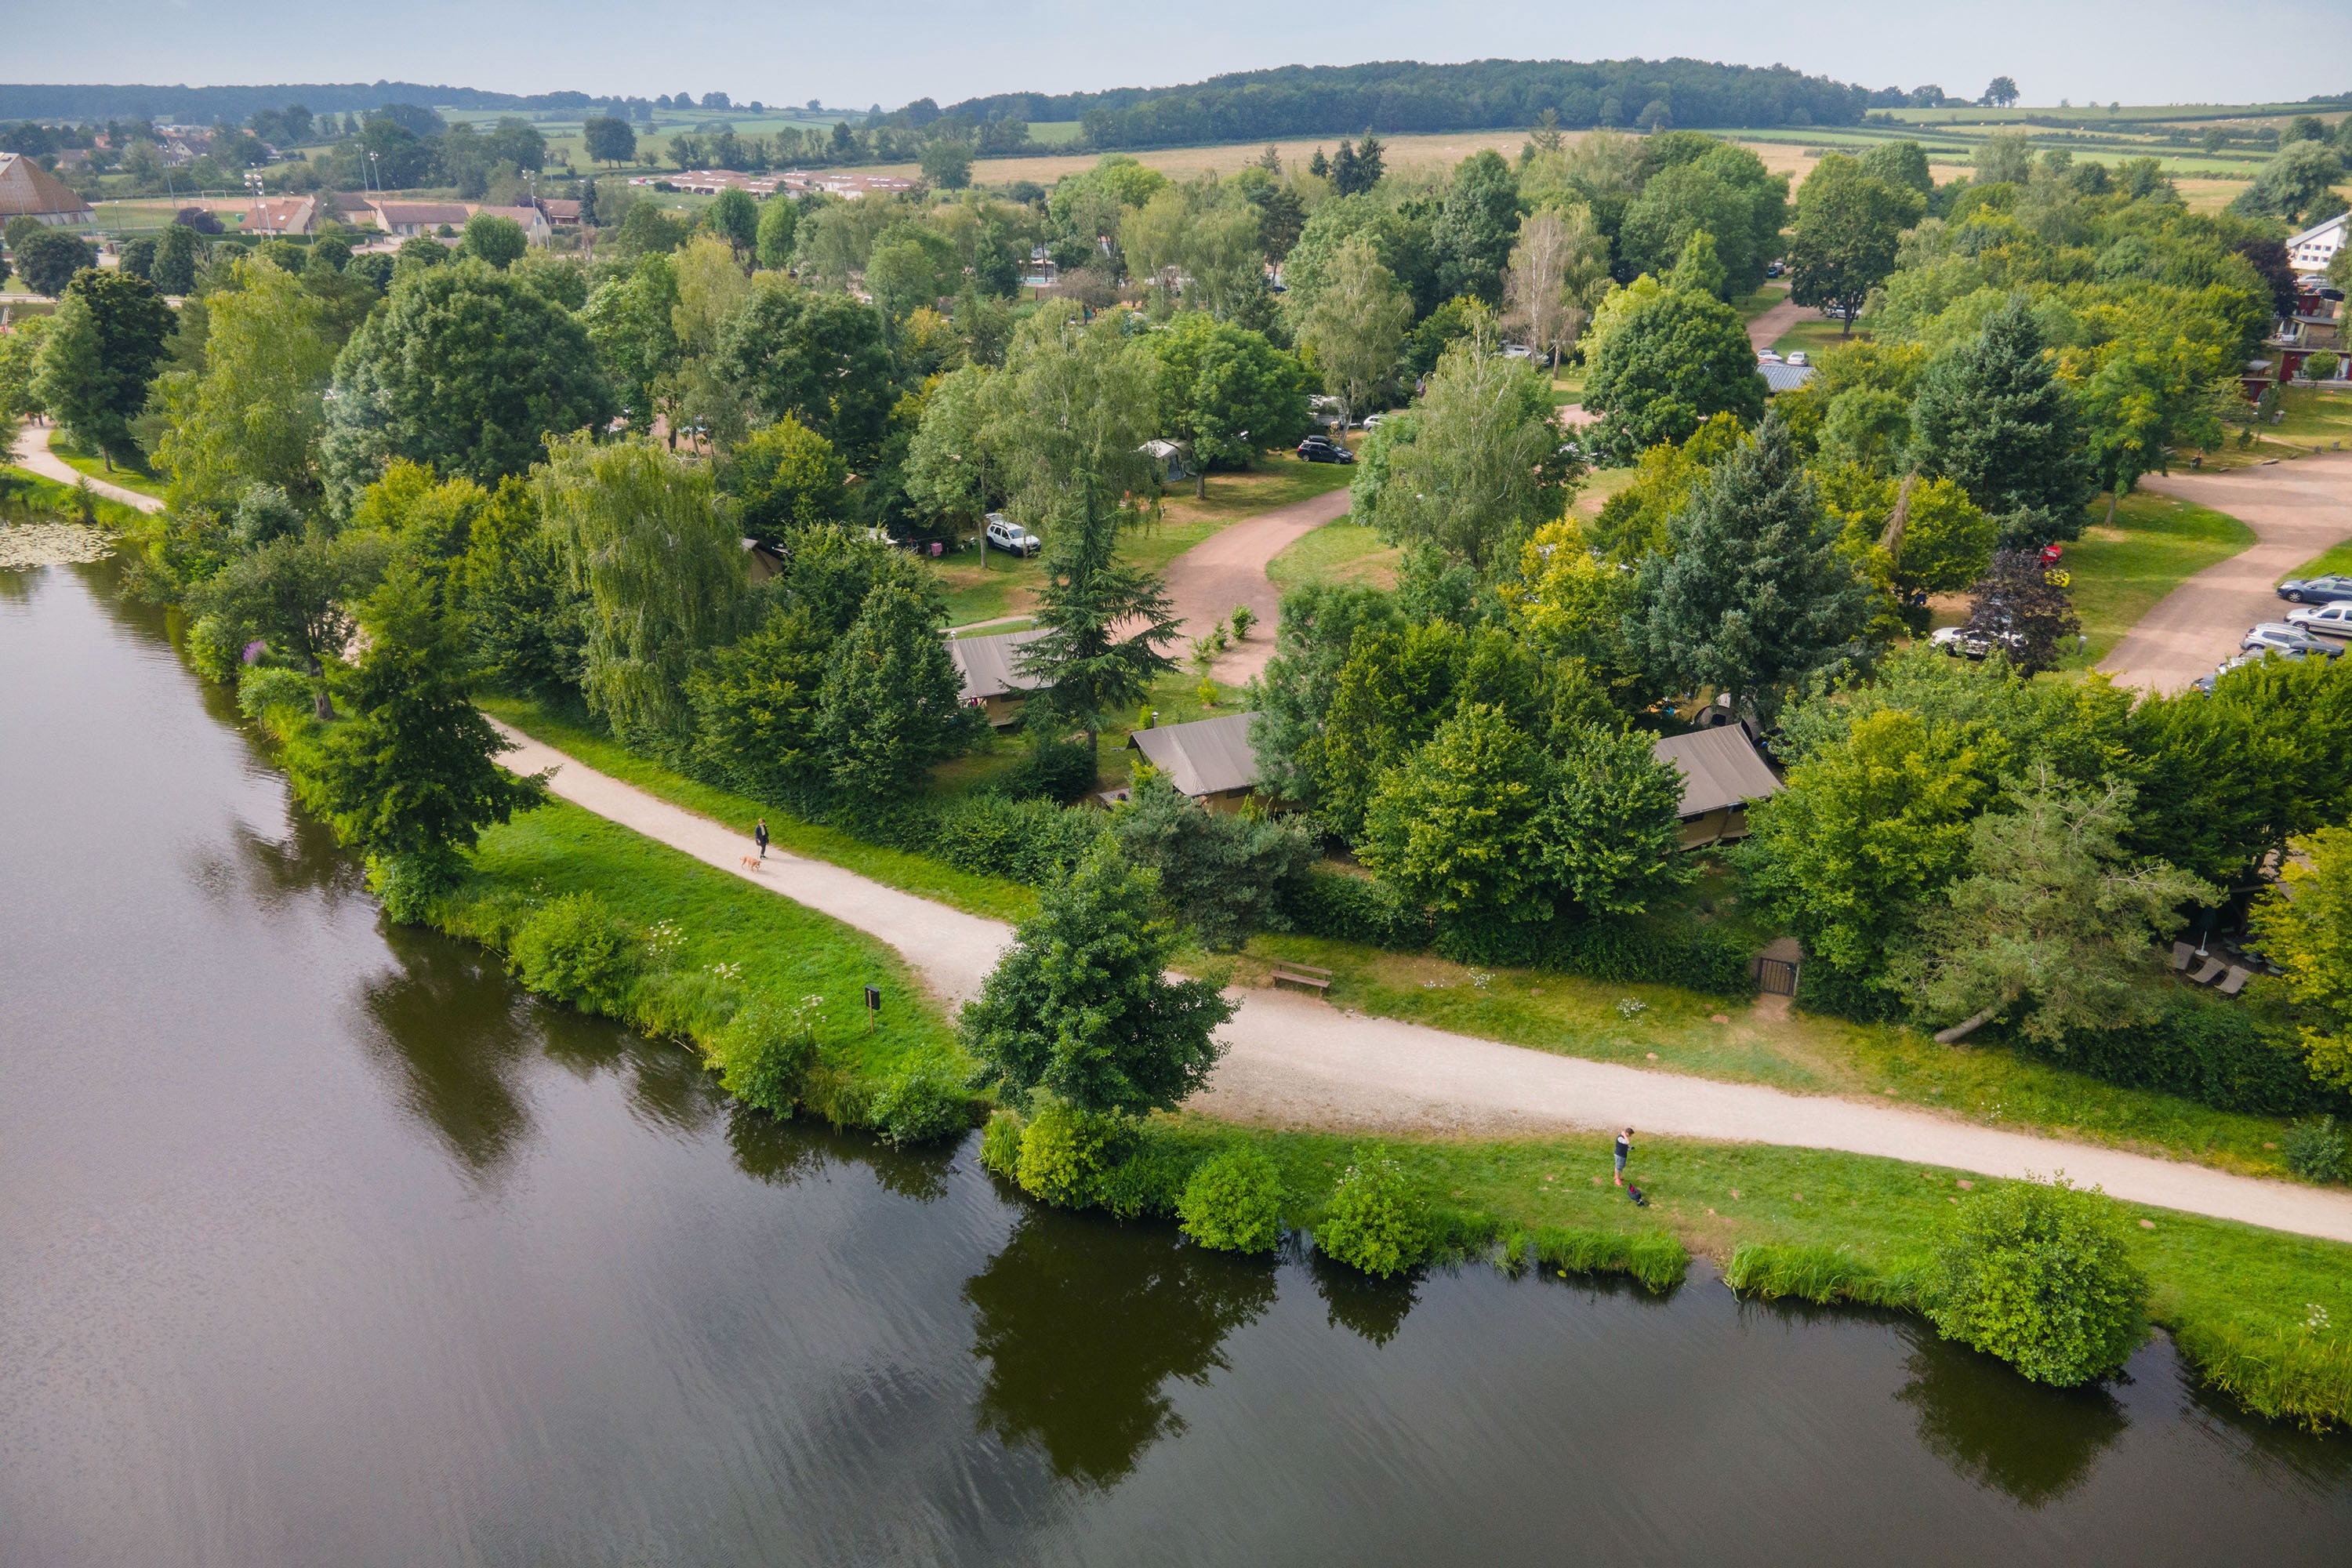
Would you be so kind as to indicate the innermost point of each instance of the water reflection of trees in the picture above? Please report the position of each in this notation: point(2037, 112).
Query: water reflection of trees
point(1082, 1323)
point(781, 1152)
point(2034, 1443)
point(1354, 1301)
point(459, 1036)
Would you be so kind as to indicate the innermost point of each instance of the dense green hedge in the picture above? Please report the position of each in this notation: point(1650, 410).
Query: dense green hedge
point(1844, 993)
point(1030, 841)
point(1356, 909)
point(1664, 952)
point(2204, 1049)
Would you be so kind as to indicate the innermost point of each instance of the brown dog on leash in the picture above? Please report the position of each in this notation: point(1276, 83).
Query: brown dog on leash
point(751, 862)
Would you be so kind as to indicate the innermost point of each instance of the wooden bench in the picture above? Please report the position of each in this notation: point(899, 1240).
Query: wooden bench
point(1306, 976)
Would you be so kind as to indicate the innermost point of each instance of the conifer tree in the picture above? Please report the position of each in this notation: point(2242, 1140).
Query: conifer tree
point(1991, 415)
point(1752, 594)
point(410, 777)
point(889, 708)
point(1082, 1007)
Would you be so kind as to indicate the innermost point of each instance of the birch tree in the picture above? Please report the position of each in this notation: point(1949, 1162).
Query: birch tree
point(1357, 325)
point(1546, 294)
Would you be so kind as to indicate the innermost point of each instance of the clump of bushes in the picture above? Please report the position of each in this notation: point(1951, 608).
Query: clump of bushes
point(1061, 771)
point(920, 1103)
point(576, 951)
point(1374, 1221)
point(2314, 1149)
point(765, 1052)
point(1066, 1153)
point(1233, 1203)
point(214, 649)
point(1220, 874)
point(1000, 1145)
point(2039, 1274)
point(265, 687)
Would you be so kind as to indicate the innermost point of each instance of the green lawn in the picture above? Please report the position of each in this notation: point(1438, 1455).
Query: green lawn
point(2337, 561)
point(64, 447)
point(1813, 335)
point(2120, 571)
point(1340, 552)
point(1675, 1031)
point(1766, 296)
point(772, 946)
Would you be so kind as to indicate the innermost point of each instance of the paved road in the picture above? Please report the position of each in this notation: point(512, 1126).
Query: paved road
point(1228, 568)
point(1294, 1060)
point(33, 452)
point(2297, 510)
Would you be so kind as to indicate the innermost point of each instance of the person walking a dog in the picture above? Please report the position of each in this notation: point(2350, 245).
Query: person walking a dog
point(1624, 1151)
point(760, 836)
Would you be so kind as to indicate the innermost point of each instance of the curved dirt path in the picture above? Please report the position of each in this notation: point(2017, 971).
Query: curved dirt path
point(2297, 510)
point(1772, 325)
point(33, 454)
point(1228, 568)
point(1294, 1060)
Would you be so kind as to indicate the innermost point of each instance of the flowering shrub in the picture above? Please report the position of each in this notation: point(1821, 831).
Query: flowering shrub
point(1234, 1203)
point(1374, 1221)
point(765, 1051)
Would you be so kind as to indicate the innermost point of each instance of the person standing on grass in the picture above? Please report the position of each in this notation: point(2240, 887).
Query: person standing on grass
point(1625, 1150)
point(760, 836)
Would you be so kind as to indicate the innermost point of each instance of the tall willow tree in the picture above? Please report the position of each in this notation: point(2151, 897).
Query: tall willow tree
point(662, 566)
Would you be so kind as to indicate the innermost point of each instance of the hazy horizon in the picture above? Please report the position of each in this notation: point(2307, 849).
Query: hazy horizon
point(899, 50)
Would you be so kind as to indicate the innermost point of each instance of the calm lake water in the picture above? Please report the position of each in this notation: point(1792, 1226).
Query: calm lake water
point(321, 1243)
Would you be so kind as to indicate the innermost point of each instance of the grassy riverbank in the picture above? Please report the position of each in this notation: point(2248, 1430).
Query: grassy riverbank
point(2237, 1298)
point(30, 494)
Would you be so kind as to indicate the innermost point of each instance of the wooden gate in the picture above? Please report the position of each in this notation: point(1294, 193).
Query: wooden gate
point(1776, 977)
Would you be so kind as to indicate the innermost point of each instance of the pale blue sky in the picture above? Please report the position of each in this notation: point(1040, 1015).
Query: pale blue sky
point(893, 51)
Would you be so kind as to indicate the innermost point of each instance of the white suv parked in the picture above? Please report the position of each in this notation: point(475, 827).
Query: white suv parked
point(1006, 534)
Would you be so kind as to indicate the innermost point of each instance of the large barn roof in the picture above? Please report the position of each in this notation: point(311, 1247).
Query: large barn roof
point(27, 190)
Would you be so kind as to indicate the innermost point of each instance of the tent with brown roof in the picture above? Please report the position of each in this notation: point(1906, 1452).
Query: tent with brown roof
point(1722, 772)
point(1210, 760)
